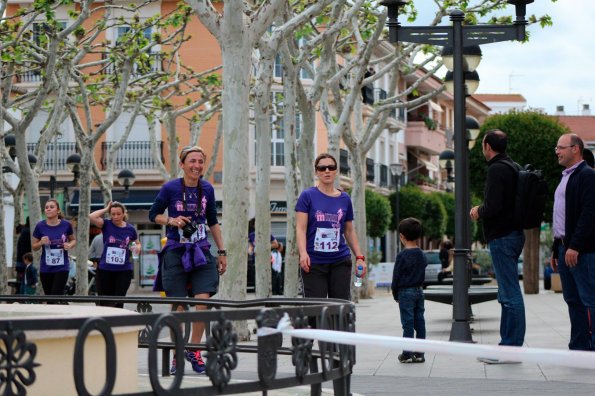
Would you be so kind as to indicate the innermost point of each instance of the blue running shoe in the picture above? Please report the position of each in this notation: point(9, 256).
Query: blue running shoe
point(194, 357)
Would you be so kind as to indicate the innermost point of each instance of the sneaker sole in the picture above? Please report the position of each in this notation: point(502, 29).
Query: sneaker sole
point(496, 361)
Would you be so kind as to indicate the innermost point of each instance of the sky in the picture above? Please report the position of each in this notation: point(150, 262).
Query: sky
point(557, 65)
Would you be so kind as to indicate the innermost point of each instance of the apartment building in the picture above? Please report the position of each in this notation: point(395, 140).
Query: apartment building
point(413, 137)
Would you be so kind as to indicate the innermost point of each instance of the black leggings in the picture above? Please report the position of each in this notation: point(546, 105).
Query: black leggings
point(112, 283)
point(53, 283)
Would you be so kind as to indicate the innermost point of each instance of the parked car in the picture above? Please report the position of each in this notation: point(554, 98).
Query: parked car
point(434, 267)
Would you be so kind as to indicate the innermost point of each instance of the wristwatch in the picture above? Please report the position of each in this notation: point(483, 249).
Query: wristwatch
point(222, 252)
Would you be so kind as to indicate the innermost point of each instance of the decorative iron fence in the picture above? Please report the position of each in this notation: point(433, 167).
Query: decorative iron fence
point(221, 348)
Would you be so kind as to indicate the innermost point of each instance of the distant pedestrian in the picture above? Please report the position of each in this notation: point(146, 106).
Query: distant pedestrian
point(573, 253)
point(407, 286)
point(276, 248)
point(30, 279)
point(23, 247)
point(504, 235)
point(96, 249)
point(446, 258)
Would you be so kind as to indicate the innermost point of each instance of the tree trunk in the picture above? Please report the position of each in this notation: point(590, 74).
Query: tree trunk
point(359, 212)
point(236, 53)
point(531, 261)
point(292, 189)
point(83, 223)
point(263, 175)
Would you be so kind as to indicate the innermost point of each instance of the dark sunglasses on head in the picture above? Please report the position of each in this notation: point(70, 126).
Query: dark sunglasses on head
point(324, 168)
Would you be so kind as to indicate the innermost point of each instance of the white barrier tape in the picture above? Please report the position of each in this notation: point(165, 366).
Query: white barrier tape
point(579, 359)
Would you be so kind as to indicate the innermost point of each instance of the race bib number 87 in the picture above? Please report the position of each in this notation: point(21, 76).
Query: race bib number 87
point(54, 257)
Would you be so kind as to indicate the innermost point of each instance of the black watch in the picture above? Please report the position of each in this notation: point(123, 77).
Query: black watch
point(222, 252)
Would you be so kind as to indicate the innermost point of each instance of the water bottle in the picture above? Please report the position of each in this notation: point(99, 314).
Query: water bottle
point(358, 276)
point(133, 250)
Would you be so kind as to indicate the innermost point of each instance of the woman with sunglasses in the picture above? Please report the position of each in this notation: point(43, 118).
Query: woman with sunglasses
point(56, 236)
point(115, 269)
point(186, 266)
point(324, 230)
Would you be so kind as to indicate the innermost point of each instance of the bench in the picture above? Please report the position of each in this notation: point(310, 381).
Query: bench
point(475, 280)
point(477, 294)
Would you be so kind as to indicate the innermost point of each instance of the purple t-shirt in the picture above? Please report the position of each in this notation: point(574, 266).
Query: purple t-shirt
point(325, 241)
point(171, 196)
point(53, 257)
point(116, 254)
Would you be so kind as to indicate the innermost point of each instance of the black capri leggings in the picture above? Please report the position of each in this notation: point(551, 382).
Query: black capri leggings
point(53, 283)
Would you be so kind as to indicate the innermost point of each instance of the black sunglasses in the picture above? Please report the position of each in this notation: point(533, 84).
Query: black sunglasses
point(324, 168)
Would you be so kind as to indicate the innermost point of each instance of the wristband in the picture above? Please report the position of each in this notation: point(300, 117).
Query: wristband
point(222, 252)
point(362, 258)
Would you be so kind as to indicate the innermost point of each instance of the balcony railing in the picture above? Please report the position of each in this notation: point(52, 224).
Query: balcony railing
point(381, 94)
point(29, 76)
point(132, 155)
point(55, 155)
point(154, 66)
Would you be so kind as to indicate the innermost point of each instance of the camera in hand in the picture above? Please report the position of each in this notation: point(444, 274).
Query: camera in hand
point(188, 230)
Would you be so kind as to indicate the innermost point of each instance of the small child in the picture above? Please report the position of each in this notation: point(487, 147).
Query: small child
point(408, 279)
point(30, 280)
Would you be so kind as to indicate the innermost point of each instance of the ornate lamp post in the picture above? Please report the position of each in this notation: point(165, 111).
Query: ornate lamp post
point(446, 160)
point(458, 37)
point(126, 178)
point(73, 162)
point(397, 170)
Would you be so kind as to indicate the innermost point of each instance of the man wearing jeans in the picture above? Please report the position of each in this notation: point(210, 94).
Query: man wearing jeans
point(504, 235)
point(574, 240)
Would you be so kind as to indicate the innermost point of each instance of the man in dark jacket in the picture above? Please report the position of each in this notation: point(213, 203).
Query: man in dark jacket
point(505, 237)
point(574, 240)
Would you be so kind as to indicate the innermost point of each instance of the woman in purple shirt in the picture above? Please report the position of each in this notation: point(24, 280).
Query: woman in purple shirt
point(56, 237)
point(115, 269)
point(324, 221)
point(186, 266)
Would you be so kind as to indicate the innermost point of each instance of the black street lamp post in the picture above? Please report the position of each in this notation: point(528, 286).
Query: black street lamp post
point(397, 170)
point(126, 178)
point(73, 162)
point(458, 37)
point(446, 159)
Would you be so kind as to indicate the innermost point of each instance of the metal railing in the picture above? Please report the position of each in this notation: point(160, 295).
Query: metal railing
point(132, 155)
point(141, 67)
point(221, 346)
point(55, 155)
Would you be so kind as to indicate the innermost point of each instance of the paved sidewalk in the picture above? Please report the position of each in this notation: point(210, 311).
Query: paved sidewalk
point(378, 372)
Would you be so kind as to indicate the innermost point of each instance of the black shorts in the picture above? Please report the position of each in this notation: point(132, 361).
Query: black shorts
point(328, 280)
point(179, 283)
